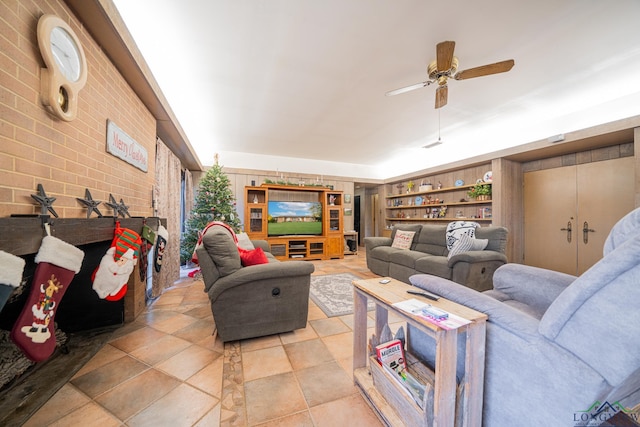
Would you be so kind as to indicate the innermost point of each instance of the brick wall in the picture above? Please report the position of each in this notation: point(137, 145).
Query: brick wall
point(65, 157)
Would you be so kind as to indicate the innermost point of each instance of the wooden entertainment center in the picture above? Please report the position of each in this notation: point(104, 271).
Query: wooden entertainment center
point(327, 244)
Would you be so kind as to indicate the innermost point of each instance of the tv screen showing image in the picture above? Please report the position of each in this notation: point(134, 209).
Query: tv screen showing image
point(294, 218)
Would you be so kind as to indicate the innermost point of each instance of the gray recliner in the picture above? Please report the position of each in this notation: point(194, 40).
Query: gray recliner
point(252, 301)
point(560, 349)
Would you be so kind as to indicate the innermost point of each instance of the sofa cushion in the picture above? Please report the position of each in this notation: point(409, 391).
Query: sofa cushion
point(222, 249)
point(252, 257)
point(383, 253)
point(432, 264)
point(432, 239)
point(456, 229)
point(403, 239)
point(497, 237)
point(405, 258)
point(466, 244)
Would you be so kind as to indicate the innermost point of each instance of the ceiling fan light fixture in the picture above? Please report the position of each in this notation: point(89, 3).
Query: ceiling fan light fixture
point(433, 144)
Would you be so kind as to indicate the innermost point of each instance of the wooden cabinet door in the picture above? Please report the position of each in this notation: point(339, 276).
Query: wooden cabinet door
point(598, 194)
point(549, 206)
point(606, 195)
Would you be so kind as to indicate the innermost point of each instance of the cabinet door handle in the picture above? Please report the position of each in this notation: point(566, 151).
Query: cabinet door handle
point(568, 230)
point(585, 232)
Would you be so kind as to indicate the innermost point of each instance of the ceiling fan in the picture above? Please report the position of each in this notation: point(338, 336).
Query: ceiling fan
point(446, 66)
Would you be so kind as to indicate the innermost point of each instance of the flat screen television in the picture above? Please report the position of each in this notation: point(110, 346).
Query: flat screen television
point(294, 218)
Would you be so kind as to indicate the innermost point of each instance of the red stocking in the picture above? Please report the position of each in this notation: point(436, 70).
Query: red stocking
point(34, 332)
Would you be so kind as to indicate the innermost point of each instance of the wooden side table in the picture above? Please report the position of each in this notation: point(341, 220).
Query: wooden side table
point(442, 411)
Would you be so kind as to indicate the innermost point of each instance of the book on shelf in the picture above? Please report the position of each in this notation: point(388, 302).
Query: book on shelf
point(432, 314)
point(392, 358)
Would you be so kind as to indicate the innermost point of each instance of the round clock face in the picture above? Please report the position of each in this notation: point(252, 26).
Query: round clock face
point(66, 53)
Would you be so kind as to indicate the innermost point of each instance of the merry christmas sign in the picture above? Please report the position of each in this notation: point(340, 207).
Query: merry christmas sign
point(123, 146)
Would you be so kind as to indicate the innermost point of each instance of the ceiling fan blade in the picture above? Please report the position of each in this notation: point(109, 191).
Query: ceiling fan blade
point(444, 55)
point(408, 88)
point(485, 70)
point(441, 96)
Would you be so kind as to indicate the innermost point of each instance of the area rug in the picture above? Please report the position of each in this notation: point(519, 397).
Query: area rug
point(333, 293)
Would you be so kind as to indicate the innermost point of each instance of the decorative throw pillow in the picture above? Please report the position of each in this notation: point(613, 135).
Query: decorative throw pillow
point(456, 229)
point(244, 241)
point(252, 257)
point(403, 239)
point(466, 244)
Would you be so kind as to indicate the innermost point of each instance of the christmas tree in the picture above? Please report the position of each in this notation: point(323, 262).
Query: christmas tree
point(214, 202)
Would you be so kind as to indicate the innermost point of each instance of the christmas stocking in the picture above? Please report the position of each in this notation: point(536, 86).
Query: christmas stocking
point(148, 239)
point(34, 332)
point(161, 245)
point(11, 268)
point(111, 277)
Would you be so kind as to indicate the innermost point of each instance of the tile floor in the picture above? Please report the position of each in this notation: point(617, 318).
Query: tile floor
point(165, 369)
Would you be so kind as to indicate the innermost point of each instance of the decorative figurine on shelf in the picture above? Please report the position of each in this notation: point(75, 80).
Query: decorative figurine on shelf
point(443, 212)
point(332, 200)
point(255, 198)
point(400, 187)
point(439, 185)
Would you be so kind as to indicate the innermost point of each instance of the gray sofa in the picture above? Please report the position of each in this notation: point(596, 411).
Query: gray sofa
point(560, 349)
point(252, 301)
point(428, 254)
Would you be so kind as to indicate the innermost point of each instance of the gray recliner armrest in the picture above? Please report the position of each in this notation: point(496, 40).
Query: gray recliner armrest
point(257, 273)
point(533, 286)
point(373, 242)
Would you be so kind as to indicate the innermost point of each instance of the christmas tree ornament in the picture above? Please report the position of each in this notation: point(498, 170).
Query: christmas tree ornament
point(111, 277)
point(11, 268)
point(58, 262)
point(161, 245)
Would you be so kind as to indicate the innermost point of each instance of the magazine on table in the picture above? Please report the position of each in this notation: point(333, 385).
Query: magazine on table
point(432, 314)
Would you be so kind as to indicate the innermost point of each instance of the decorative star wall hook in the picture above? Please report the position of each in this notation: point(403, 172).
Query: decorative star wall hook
point(124, 209)
point(91, 205)
point(45, 202)
point(113, 205)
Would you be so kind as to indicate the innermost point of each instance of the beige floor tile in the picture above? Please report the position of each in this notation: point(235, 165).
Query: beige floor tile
point(174, 323)
point(200, 312)
point(307, 333)
point(324, 383)
point(329, 326)
point(350, 411)
point(65, 401)
point(273, 397)
point(160, 350)
point(197, 331)
point(211, 418)
point(309, 353)
point(106, 354)
point(265, 362)
point(130, 397)
point(181, 407)
point(136, 339)
point(108, 376)
point(189, 361)
point(260, 343)
point(151, 317)
point(301, 419)
point(315, 313)
point(209, 379)
point(340, 346)
point(89, 415)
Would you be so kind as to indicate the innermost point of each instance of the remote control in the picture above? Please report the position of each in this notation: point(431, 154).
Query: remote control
point(424, 294)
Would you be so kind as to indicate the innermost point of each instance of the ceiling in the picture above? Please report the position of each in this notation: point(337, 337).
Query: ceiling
point(299, 85)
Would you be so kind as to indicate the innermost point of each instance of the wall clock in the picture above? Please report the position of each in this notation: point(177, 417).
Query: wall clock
point(66, 67)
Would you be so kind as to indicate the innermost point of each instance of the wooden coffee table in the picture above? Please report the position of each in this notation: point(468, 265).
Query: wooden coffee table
point(393, 406)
